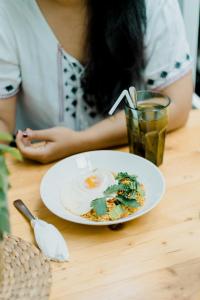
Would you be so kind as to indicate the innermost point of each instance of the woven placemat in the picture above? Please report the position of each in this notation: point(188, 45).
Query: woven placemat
point(25, 273)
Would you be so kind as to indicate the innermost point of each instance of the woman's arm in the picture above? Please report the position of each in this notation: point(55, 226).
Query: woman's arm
point(107, 133)
point(180, 92)
point(7, 114)
point(60, 142)
point(112, 131)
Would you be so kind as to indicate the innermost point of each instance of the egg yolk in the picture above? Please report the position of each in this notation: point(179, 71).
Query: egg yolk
point(92, 182)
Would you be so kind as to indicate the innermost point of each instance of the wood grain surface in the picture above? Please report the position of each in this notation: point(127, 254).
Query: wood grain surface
point(155, 257)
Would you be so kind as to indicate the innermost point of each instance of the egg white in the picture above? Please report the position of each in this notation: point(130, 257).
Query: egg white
point(76, 196)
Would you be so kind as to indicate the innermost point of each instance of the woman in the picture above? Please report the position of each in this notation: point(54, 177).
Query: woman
point(63, 63)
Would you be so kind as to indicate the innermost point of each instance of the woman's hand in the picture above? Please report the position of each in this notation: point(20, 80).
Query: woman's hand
point(59, 142)
point(54, 143)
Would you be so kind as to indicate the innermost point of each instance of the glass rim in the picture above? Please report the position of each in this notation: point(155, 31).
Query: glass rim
point(153, 93)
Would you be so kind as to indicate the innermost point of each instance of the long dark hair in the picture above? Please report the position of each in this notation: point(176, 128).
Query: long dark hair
point(115, 48)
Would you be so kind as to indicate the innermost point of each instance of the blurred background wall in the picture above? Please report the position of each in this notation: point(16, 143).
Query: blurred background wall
point(191, 14)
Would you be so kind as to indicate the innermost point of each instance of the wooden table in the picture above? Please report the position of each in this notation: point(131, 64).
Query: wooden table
point(155, 257)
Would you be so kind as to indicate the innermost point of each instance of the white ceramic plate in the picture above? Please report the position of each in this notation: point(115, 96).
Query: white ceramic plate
point(53, 181)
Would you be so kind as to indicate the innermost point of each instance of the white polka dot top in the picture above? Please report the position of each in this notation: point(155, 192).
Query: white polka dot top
point(47, 80)
point(78, 109)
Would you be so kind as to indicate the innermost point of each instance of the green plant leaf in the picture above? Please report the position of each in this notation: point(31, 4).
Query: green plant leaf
point(116, 212)
point(13, 151)
point(5, 137)
point(3, 166)
point(99, 206)
point(3, 203)
point(4, 222)
point(3, 182)
point(4, 216)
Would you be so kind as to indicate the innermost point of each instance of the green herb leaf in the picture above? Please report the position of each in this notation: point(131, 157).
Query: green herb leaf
point(124, 175)
point(99, 206)
point(131, 195)
point(5, 137)
point(133, 185)
point(125, 194)
point(116, 188)
point(128, 202)
point(116, 212)
point(112, 189)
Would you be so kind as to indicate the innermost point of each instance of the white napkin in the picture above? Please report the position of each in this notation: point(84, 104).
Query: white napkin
point(50, 241)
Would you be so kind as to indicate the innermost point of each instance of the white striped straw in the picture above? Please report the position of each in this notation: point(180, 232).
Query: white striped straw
point(133, 94)
point(123, 94)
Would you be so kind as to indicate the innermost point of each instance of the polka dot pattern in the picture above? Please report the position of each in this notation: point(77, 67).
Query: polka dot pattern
point(177, 65)
point(163, 74)
point(152, 82)
point(9, 88)
point(75, 100)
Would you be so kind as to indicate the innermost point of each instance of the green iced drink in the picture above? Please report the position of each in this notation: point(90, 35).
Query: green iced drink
point(147, 127)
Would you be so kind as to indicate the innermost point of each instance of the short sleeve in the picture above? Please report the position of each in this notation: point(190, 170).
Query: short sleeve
point(166, 48)
point(10, 78)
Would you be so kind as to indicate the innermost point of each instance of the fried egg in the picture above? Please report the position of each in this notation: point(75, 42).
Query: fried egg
point(78, 193)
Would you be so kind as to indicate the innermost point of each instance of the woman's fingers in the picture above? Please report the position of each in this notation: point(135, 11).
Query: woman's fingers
point(37, 152)
point(23, 138)
point(51, 144)
point(39, 135)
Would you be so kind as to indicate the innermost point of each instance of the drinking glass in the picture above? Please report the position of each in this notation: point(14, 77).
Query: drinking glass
point(147, 125)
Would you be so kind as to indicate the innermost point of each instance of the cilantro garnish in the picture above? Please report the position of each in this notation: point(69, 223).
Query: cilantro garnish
point(116, 188)
point(128, 202)
point(123, 193)
point(116, 212)
point(124, 175)
point(99, 206)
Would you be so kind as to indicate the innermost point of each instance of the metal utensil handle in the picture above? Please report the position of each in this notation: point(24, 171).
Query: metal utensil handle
point(19, 204)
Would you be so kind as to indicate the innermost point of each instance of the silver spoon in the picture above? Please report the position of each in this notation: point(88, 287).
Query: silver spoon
point(47, 236)
point(19, 204)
